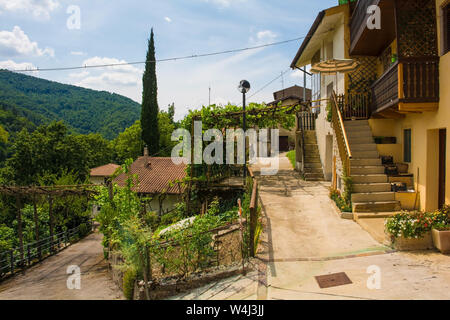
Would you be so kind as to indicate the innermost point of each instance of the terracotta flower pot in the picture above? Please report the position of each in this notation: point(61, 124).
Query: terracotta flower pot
point(441, 240)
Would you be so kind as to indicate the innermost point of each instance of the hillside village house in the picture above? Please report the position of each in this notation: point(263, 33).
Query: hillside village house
point(157, 179)
point(289, 97)
point(390, 116)
point(102, 174)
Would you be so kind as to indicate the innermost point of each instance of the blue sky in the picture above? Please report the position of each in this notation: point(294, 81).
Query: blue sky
point(34, 33)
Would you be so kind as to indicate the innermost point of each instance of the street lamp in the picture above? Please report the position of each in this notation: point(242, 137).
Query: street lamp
point(244, 87)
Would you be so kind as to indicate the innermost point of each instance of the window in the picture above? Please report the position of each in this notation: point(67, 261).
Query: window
point(407, 145)
point(446, 28)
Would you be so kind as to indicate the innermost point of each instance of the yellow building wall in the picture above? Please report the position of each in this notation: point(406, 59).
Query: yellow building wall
point(425, 136)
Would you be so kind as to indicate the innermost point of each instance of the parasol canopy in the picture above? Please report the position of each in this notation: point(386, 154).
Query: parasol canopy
point(334, 66)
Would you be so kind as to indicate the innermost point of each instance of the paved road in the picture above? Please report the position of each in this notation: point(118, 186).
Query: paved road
point(304, 237)
point(48, 280)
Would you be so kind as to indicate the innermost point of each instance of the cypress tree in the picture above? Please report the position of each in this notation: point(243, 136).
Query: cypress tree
point(150, 109)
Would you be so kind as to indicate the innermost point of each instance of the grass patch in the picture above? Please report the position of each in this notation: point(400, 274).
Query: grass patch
point(292, 157)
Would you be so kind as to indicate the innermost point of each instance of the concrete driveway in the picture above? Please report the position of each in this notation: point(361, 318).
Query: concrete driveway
point(304, 237)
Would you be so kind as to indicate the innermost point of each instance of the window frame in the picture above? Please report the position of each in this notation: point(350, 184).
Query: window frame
point(407, 146)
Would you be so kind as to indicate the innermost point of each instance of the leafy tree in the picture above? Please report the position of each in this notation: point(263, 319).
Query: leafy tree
point(128, 145)
point(150, 109)
point(51, 152)
point(166, 127)
point(171, 112)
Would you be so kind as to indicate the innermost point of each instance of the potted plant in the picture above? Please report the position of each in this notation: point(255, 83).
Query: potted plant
point(441, 230)
point(410, 230)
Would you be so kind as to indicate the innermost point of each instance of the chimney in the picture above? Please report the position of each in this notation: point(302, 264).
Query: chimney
point(145, 151)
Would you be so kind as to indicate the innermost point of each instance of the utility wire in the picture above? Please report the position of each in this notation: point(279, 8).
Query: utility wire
point(159, 60)
point(268, 84)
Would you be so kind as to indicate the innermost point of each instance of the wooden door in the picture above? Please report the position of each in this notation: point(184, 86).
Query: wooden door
point(442, 165)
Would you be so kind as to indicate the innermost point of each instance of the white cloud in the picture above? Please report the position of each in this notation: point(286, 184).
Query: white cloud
point(16, 42)
point(224, 3)
point(124, 79)
point(38, 8)
point(78, 75)
point(77, 53)
point(266, 36)
point(168, 19)
point(12, 66)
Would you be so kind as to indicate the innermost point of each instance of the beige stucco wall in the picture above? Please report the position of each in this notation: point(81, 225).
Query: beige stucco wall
point(98, 180)
point(424, 129)
point(168, 203)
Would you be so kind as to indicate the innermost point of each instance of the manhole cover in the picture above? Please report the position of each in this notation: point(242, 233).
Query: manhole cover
point(333, 280)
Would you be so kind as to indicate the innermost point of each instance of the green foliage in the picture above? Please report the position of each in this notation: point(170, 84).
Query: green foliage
point(31, 102)
point(129, 279)
point(51, 151)
point(128, 144)
point(211, 118)
point(341, 203)
point(413, 225)
point(150, 109)
point(292, 156)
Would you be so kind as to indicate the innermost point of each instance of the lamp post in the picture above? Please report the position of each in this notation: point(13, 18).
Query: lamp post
point(244, 87)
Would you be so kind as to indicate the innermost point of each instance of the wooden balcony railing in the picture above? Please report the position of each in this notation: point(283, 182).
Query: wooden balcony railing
point(420, 80)
point(410, 80)
point(341, 135)
point(354, 106)
point(385, 89)
point(307, 121)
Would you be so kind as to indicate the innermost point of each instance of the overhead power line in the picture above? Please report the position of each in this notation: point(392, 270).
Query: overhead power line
point(159, 60)
point(268, 84)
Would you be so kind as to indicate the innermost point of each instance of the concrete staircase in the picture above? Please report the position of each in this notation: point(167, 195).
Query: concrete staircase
point(371, 189)
point(313, 166)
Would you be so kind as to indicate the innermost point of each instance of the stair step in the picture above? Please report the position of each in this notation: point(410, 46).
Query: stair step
point(313, 176)
point(373, 197)
point(356, 123)
point(358, 140)
point(365, 162)
point(383, 206)
point(313, 164)
point(369, 178)
point(361, 170)
point(371, 187)
point(364, 147)
point(365, 154)
point(313, 170)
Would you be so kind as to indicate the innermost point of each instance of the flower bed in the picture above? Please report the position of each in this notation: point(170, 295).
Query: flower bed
point(412, 230)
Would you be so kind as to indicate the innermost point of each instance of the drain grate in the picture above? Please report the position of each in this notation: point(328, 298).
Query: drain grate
point(333, 280)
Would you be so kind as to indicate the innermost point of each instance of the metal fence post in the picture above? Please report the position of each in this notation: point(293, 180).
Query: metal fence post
point(11, 255)
point(29, 255)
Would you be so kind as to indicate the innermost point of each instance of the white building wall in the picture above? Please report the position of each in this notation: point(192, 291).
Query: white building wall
point(323, 127)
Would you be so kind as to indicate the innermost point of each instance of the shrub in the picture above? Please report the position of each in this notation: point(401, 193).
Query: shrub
point(129, 279)
point(341, 203)
point(292, 156)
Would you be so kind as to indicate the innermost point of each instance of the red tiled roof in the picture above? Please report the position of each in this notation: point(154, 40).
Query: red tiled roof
point(155, 175)
point(104, 171)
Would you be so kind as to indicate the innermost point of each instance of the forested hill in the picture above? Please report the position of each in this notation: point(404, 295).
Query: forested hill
point(27, 101)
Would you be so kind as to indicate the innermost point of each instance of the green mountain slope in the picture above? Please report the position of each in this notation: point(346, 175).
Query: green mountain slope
point(27, 101)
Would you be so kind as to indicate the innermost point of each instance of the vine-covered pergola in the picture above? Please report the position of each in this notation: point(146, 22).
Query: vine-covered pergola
point(48, 192)
point(261, 117)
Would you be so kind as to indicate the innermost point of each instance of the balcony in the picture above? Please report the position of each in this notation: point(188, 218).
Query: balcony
point(366, 42)
point(409, 85)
